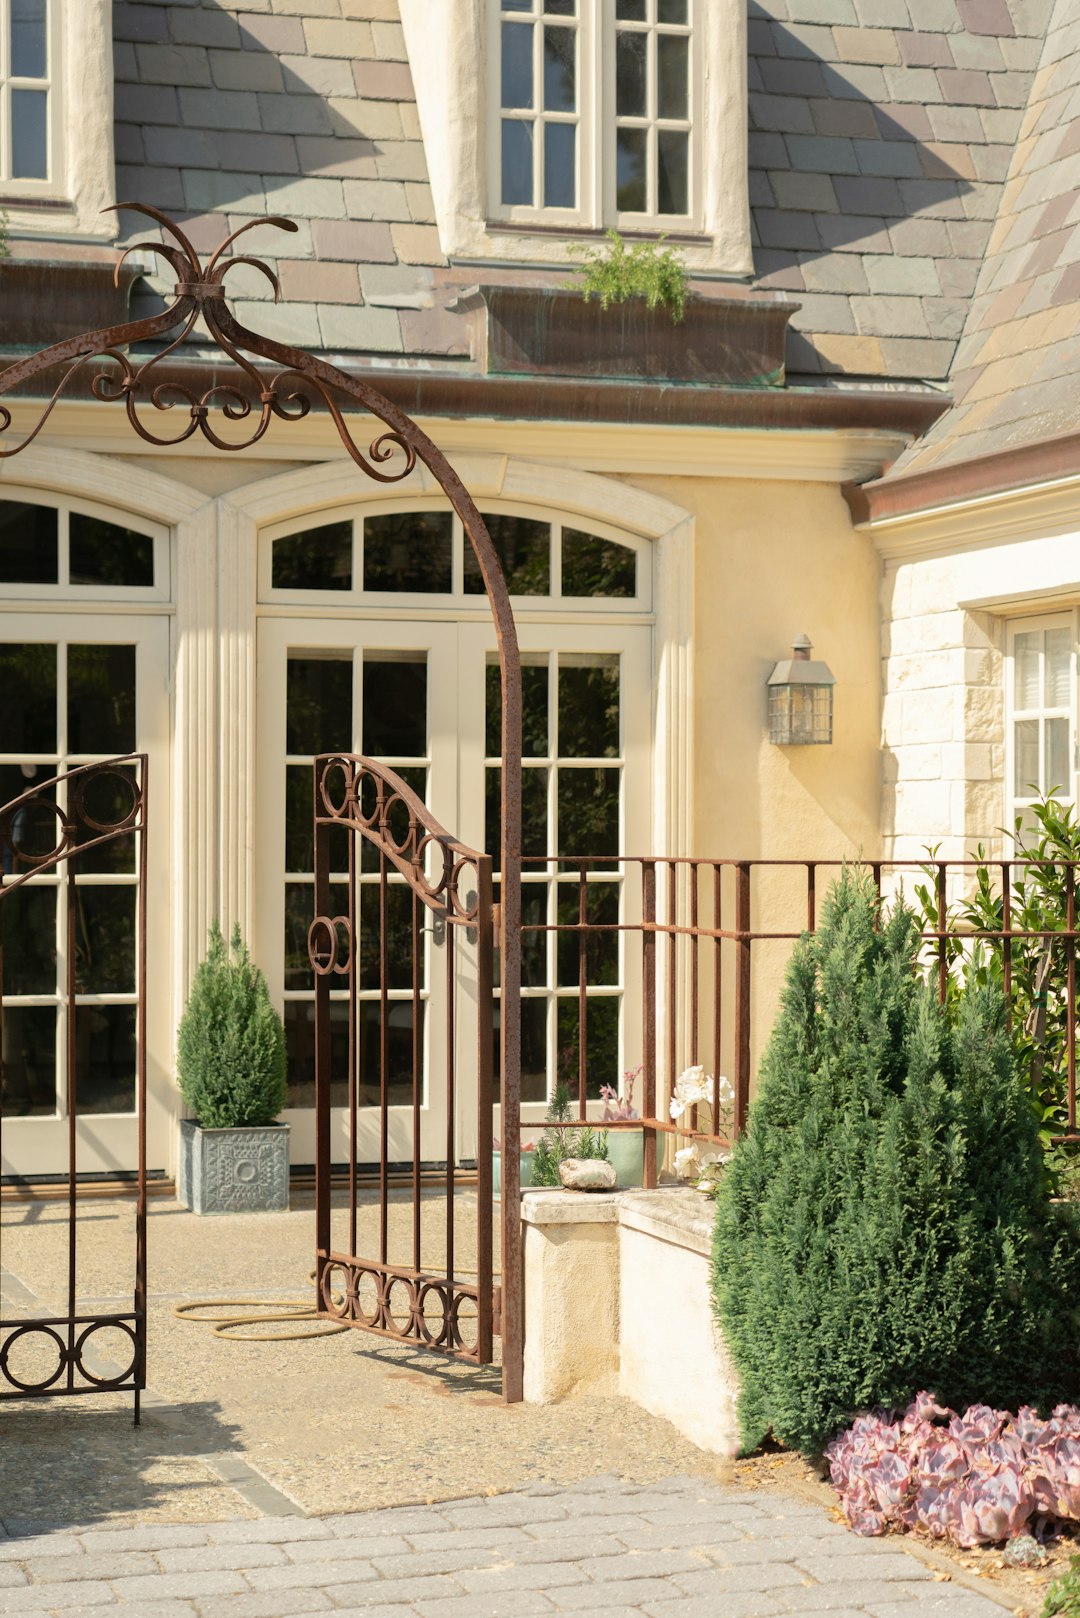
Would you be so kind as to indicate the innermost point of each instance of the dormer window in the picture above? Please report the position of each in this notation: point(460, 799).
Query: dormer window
point(28, 98)
point(595, 112)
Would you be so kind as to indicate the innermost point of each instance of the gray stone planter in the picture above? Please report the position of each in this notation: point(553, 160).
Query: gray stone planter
point(234, 1170)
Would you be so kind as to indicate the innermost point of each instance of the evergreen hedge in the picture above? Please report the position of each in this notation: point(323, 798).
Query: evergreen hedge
point(884, 1225)
point(230, 1049)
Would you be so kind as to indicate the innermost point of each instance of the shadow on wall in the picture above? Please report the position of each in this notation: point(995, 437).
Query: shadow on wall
point(224, 117)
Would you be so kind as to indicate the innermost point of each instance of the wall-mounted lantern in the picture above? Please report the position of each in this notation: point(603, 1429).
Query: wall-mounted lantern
point(801, 699)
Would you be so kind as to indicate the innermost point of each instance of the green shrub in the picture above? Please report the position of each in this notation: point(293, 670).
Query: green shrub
point(230, 1048)
point(1063, 1596)
point(556, 1145)
point(648, 270)
point(883, 1226)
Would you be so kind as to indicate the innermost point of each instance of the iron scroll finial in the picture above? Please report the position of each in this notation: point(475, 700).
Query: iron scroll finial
point(286, 393)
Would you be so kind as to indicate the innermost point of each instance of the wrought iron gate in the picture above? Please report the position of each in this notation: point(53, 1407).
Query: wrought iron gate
point(51, 828)
point(364, 809)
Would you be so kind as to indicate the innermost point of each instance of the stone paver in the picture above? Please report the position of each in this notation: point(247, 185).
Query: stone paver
point(686, 1549)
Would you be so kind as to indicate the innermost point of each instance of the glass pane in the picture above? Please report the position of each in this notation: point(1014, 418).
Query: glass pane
point(560, 165)
point(28, 711)
point(534, 1057)
point(673, 75)
point(317, 559)
point(588, 706)
point(299, 1020)
point(104, 553)
point(299, 909)
point(28, 544)
point(28, 53)
point(560, 77)
point(29, 1061)
point(1026, 752)
point(409, 550)
point(534, 702)
point(101, 699)
point(671, 11)
point(517, 65)
point(517, 5)
point(1058, 772)
point(560, 8)
point(399, 1065)
point(601, 1045)
point(1026, 649)
point(105, 1051)
point(517, 163)
point(534, 912)
point(672, 171)
point(108, 800)
point(596, 567)
point(395, 706)
point(105, 940)
point(318, 704)
point(630, 10)
point(534, 813)
point(1057, 667)
point(588, 812)
point(29, 135)
point(630, 192)
point(524, 549)
point(631, 57)
point(399, 936)
point(601, 948)
point(28, 920)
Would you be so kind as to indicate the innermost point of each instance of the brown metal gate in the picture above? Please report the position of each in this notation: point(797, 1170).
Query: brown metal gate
point(51, 829)
point(368, 821)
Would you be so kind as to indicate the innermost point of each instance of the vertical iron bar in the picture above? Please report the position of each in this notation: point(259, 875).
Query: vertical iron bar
point(694, 941)
point(1006, 928)
point(582, 981)
point(451, 1093)
point(648, 1031)
point(72, 1104)
point(417, 1075)
point(322, 1038)
point(672, 969)
point(943, 959)
point(811, 896)
point(354, 1043)
point(1070, 975)
point(140, 1098)
point(485, 1213)
point(384, 1064)
point(742, 994)
point(717, 991)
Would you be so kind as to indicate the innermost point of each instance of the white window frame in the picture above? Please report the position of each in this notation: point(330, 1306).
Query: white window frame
point(62, 590)
point(1016, 802)
point(449, 44)
point(52, 84)
point(82, 178)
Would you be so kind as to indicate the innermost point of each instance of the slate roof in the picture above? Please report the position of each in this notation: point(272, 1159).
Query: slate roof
point(881, 132)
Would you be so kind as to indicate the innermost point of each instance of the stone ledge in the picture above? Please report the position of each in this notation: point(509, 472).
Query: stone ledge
point(675, 1214)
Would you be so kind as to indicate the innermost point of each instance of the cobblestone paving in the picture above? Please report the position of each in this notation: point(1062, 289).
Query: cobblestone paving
point(681, 1548)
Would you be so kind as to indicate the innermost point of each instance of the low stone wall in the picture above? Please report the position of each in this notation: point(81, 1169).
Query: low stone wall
point(617, 1301)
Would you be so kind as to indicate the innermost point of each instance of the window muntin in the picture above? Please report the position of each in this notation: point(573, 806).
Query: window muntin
point(29, 98)
point(1041, 718)
point(383, 554)
point(594, 134)
point(74, 550)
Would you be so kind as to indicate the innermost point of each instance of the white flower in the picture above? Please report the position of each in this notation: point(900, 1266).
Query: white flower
point(688, 1162)
point(691, 1087)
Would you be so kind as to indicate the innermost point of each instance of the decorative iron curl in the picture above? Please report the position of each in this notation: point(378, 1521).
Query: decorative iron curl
point(199, 294)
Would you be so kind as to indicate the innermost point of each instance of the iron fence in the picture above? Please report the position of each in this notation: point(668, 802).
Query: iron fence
point(703, 944)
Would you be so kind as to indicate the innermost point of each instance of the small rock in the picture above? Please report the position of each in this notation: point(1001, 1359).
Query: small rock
point(1023, 1551)
point(587, 1174)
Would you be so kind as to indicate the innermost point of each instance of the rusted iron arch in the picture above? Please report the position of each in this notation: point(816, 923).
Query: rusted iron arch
point(199, 292)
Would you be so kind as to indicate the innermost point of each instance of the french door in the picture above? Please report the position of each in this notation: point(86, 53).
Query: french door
point(79, 688)
point(424, 698)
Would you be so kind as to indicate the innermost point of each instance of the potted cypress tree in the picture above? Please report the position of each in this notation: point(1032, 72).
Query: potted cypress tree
point(230, 1065)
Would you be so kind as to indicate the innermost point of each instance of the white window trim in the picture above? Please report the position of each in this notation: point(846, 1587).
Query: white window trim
point(448, 46)
point(83, 177)
point(1014, 804)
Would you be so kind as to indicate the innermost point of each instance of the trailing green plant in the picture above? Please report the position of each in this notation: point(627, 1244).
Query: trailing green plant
point(556, 1145)
point(5, 246)
point(230, 1048)
point(1038, 905)
point(1063, 1596)
point(884, 1224)
point(648, 270)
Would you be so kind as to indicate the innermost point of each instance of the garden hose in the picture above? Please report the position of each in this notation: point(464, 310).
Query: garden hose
point(292, 1311)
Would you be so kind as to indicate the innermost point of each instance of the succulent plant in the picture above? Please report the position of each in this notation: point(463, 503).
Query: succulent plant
point(976, 1479)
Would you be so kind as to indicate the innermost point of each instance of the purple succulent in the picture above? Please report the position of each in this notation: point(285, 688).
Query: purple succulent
point(977, 1480)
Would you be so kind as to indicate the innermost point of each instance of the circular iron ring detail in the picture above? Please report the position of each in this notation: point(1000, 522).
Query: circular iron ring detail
point(325, 961)
point(128, 820)
point(60, 848)
point(30, 1329)
point(440, 1292)
point(106, 1381)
